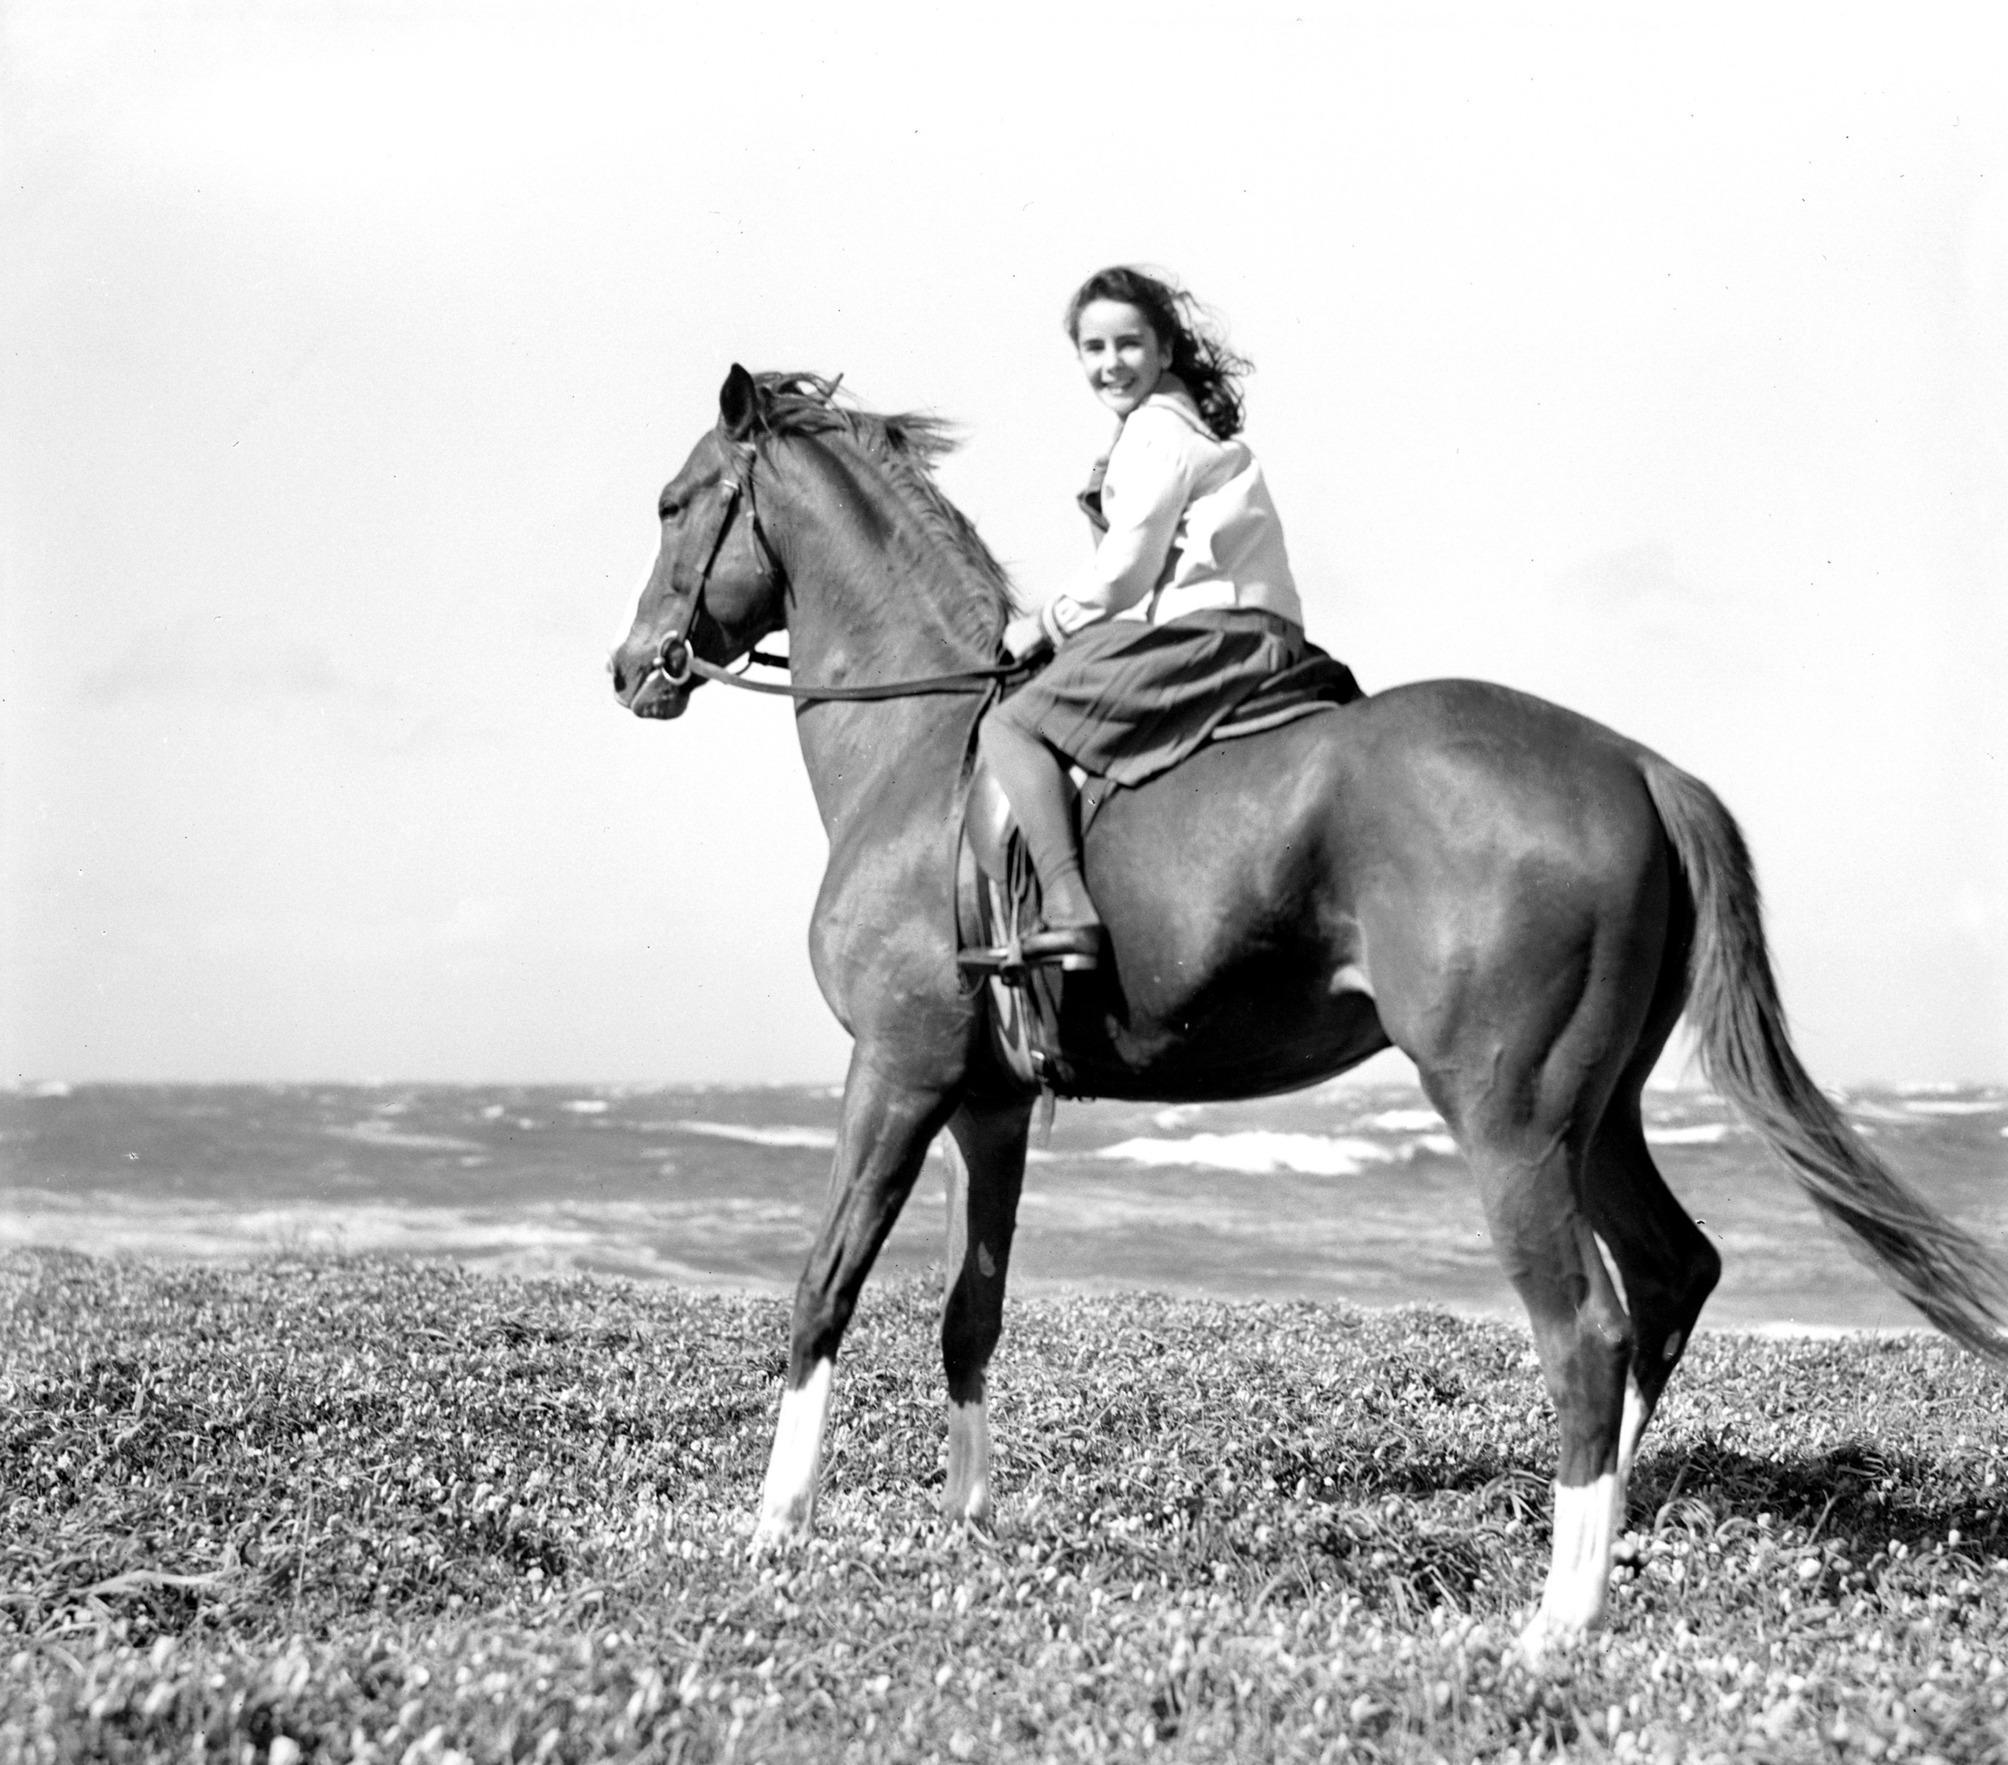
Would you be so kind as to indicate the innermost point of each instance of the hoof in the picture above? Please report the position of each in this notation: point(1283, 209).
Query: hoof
point(972, 1509)
point(1546, 1639)
point(776, 1534)
point(1538, 1643)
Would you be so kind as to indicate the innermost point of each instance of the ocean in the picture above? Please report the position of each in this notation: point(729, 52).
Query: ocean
point(1352, 1191)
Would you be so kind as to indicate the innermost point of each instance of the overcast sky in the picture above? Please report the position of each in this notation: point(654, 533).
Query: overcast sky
point(1653, 362)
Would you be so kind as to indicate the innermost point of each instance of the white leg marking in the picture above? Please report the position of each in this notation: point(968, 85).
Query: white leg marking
point(1612, 1270)
point(788, 1503)
point(967, 1493)
point(1586, 1520)
point(1635, 1418)
point(1629, 1548)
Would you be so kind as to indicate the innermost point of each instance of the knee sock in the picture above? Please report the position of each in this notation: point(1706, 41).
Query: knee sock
point(1032, 779)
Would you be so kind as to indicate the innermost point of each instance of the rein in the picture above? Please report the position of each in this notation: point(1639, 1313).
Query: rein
point(967, 680)
point(676, 661)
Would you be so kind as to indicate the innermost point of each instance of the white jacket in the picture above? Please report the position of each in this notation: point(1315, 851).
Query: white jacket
point(1191, 526)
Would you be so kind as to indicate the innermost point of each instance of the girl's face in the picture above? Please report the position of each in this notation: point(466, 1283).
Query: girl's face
point(1120, 354)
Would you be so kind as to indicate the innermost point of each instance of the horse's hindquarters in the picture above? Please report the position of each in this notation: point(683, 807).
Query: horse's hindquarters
point(1511, 884)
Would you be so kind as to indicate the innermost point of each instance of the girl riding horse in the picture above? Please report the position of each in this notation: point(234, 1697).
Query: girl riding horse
point(1190, 605)
point(1521, 900)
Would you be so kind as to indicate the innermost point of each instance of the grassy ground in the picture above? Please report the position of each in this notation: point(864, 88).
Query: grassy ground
point(395, 1512)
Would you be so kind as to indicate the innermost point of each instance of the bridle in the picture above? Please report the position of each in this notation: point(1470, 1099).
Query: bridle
point(676, 661)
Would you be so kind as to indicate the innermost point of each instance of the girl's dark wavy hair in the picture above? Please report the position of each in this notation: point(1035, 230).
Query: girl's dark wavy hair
point(1199, 353)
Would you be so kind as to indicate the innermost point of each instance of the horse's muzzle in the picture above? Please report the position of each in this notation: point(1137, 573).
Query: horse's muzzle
point(657, 686)
point(656, 698)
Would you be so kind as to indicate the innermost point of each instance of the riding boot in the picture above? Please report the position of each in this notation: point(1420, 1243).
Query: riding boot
point(1036, 789)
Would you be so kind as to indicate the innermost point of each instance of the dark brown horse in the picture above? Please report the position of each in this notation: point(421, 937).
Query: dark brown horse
point(1521, 900)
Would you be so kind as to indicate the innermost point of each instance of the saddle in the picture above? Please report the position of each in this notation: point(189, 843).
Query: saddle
point(997, 890)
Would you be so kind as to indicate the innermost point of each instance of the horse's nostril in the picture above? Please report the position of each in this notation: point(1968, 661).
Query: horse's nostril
point(614, 668)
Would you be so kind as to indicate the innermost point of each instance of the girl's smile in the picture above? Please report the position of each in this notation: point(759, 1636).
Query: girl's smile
point(1120, 354)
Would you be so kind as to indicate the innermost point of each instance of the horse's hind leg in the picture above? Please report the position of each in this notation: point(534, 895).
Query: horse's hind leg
point(986, 1173)
point(1665, 1262)
point(1528, 1180)
point(882, 1139)
point(1556, 1212)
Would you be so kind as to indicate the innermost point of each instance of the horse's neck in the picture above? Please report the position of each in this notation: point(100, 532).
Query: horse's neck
point(876, 598)
point(879, 594)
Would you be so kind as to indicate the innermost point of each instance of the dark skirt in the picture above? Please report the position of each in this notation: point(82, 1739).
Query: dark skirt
point(1126, 701)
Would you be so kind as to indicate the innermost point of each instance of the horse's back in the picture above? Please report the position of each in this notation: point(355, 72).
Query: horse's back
point(1418, 771)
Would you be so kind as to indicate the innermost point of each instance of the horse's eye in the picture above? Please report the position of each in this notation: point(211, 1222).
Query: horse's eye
point(668, 510)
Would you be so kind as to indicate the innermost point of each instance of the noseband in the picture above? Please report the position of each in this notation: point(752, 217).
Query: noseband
point(677, 662)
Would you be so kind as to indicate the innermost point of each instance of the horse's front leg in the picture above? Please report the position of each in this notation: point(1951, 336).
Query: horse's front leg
point(882, 1139)
point(987, 1171)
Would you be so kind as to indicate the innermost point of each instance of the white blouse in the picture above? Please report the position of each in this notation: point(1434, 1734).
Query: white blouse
point(1191, 526)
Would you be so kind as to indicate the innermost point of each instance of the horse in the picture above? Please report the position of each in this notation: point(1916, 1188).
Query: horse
point(1521, 900)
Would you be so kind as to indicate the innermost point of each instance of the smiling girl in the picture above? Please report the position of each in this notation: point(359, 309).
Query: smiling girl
point(1189, 607)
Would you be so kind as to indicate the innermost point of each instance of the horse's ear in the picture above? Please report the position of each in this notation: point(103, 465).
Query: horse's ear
point(738, 402)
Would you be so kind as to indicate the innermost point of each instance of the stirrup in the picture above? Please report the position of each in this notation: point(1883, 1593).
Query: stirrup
point(1070, 948)
point(1001, 959)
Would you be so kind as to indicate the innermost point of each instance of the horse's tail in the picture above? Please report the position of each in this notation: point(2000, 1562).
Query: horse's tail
point(1739, 1024)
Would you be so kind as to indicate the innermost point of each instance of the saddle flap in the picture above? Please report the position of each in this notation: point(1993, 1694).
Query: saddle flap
point(987, 824)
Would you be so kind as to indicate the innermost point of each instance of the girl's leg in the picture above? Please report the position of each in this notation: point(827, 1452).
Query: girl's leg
point(1036, 786)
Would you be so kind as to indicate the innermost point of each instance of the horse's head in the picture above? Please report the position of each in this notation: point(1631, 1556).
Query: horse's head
point(716, 588)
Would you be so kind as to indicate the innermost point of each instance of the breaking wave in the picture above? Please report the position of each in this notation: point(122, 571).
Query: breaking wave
point(816, 1139)
point(1264, 1152)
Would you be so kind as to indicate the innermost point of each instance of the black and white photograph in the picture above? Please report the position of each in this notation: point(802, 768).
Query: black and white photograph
point(1003, 884)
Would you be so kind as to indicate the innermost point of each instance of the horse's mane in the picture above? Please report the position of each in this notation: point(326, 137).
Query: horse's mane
point(905, 444)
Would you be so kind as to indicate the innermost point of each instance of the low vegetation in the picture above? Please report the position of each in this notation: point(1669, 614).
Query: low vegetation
point(386, 1511)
